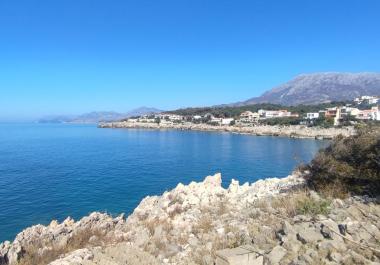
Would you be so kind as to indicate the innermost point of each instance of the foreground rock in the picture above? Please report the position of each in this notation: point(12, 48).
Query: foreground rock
point(296, 131)
point(192, 223)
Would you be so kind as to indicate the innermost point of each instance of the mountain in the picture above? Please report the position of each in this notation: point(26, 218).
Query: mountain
point(318, 88)
point(98, 116)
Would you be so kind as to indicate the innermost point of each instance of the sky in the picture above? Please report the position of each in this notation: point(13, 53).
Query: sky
point(76, 56)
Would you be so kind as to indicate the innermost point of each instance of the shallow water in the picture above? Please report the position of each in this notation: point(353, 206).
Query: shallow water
point(51, 171)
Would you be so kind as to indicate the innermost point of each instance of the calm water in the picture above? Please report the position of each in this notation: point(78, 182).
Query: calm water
point(50, 171)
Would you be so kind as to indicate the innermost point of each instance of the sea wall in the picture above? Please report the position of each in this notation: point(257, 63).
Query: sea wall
point(297, 131)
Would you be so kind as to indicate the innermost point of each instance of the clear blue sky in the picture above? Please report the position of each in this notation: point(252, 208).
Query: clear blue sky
point(74, 56)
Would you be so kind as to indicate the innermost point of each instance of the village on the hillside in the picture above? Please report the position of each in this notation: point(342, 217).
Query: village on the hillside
point(337, 115)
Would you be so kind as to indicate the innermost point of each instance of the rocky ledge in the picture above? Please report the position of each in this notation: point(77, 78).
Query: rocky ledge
point(296, 131)
point(277, 219)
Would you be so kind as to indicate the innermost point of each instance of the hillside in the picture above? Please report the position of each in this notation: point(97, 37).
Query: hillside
point(320, 88)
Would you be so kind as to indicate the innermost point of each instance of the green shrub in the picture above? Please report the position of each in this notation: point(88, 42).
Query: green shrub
point(350, 162)
point(313, 207)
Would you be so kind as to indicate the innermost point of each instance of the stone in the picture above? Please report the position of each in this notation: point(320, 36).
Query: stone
point(142, 237)
point(309, 235)
point(335, 256)
point(276, 255)
point(193, 241)
point(243, 255)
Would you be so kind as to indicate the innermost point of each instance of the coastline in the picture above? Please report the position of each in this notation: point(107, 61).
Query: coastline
point(200, 222)
point(293, 131)
point(135, 228)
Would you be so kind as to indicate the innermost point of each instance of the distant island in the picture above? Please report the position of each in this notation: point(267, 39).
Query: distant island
point(98, 116)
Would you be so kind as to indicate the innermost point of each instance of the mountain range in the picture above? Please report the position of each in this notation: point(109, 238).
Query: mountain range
point(98, 116)
point(316, 88)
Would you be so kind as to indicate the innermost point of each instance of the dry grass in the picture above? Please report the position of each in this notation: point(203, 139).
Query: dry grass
point(52, 251)
point(204, 224)
point(298, 202)
point(153, 223)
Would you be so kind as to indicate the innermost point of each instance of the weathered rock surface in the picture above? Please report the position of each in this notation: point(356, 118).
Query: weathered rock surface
point(296, 131)
point(189, 224)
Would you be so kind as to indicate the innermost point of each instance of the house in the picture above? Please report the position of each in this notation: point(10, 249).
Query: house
point(249, 117)
point(373, 100)
point(215, 120)
point(365, 115)
point(330, 112)
point(370, 100)
point(133, 120)
point(170, 117)
point(197, 117)
point(227, 121)
point(269, 114)
point(376, 113)
point(312, 115)
point(147, 119)
point(349, 111)
point(369, 114)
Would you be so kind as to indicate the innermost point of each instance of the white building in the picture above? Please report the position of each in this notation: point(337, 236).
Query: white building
point(371, 100)
point(376, 113)
point(269, 114)
point(171, 117)
point(133, 120)
point(215, 120)
point(227, 121)
point(348, 111)
point(312, 115)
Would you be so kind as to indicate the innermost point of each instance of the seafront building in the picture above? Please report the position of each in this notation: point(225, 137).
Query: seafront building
point(269, 114)
point(340, 113)
point(249, 117)
point(312, 115)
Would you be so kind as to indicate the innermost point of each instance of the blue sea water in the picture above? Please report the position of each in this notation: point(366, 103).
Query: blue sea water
point(51, 171)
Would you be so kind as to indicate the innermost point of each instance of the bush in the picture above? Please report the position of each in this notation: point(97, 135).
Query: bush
point(353, 163)
point(313, 207)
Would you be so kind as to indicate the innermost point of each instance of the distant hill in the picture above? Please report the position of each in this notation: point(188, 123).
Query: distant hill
point(98, 116)
point(310, 89)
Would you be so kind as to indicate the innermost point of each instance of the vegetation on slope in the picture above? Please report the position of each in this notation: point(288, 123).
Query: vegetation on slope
point(349, 163)
point(231, 111)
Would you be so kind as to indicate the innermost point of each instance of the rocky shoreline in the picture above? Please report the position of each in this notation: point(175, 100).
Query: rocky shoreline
point(295, 131)
point(192, 223)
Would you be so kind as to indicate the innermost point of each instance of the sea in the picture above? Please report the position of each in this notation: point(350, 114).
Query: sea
point(52, 171)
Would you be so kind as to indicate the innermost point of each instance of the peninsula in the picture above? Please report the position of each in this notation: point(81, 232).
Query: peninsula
point(296, 131)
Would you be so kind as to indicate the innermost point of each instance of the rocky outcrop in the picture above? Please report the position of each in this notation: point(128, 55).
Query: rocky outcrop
point(37, 241)
point(296, 131)
point(275, 218)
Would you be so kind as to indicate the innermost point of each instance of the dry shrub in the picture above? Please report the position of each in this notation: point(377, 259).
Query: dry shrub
point(151, 225)
point(177, 210)
point(53, 251)
point(204, 224)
